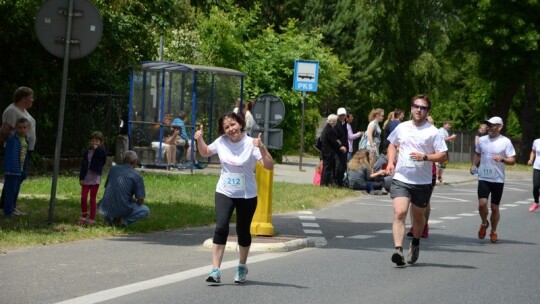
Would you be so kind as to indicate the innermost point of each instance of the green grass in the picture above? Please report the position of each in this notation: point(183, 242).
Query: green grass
point(175, 201)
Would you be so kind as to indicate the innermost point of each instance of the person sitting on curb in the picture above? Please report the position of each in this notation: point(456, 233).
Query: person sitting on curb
point(123, 200)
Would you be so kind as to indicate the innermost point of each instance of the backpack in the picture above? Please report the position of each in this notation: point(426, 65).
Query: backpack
point(318, 144)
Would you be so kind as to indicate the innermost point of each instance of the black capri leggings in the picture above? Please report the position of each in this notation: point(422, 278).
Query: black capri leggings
point(245, 209)
point(536, 184)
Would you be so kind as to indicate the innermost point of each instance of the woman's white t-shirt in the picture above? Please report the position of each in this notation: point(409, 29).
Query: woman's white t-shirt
point(12, 114)
point(238, 161)
point(536, 148)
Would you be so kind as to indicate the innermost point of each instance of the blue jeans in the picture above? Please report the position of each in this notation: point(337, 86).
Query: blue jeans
point(139, 212)
point(12, 185)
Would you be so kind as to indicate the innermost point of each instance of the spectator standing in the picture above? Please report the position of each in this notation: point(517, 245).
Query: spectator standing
point(419, 144)
point(123, 201)
point(350, 135)
point(15, 165)
point(236, 188)
point(444, 132)
point(23, 99)
point(250, 121)
point(93, 161)
point(373, 132)
point(493, 152)
point(343, 137)
point(331, 146)
point(482, 131)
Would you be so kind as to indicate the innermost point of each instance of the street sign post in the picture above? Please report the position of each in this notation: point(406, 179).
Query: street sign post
point(306, 77)
point(68, 29)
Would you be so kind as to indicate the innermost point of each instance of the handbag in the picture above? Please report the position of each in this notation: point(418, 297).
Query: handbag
point(363, 142)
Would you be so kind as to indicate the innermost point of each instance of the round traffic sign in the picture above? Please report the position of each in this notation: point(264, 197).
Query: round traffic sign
point(86, 27)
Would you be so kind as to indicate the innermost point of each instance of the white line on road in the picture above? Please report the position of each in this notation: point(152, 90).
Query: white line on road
point(117, 292)
point(312, 231)
point(450, 198)
point(306, 217)
point(310, 225)
point(450, 217)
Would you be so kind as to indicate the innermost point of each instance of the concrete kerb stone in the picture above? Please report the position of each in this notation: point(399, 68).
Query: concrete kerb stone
point(272, 244)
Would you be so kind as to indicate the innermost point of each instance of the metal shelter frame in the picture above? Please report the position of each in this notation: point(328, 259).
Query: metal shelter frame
point(168, 95)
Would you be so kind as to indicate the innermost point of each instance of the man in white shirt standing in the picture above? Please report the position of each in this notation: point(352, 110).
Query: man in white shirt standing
point(419, 146)
point(444, 131)
point(493, 152)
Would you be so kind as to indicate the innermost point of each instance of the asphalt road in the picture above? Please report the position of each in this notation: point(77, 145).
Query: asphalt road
point(351, 263)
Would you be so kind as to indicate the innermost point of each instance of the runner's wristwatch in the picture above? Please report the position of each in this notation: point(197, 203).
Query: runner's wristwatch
point(425, 157)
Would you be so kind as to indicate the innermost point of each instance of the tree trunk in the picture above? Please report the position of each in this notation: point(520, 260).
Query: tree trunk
point(527, 120)
point(503, 100)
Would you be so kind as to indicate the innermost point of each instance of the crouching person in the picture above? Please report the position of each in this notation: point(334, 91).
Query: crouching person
point(123, 201)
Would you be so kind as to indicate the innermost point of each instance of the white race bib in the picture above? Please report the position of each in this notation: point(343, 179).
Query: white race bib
point(234, 181)
point(488, 172)
point(413, 163)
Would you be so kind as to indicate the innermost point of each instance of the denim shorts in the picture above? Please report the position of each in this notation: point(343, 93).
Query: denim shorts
point(419, 194)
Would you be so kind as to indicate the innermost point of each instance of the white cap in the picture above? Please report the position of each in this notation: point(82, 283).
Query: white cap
point(495, 120)
point(341, 111)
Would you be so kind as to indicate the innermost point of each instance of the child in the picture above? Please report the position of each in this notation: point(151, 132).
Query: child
point(94, 159)
point(15, 165)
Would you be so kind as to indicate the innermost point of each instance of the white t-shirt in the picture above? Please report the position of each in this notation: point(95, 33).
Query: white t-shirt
point(410, 138)
point(536, 148)
point(491, 170)
point(238, 161)
point(443, 132)
point(250, 122)
point(12, 114)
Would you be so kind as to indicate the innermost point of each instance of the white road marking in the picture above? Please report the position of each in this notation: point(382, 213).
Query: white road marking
point(510, 205)
point(449, 198)
point(450, 217)
point(113, 293)
point(387, 231)
point(467, 214)
point(307, 217)
point(310, 225)
point(361, 237)
point(309, 231)
point(379, 205)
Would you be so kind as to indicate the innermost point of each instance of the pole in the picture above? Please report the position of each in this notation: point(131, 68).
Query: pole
point(302, 131)
point(61, 113)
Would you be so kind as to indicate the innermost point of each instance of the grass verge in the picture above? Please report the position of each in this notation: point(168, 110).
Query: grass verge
point(175, 201)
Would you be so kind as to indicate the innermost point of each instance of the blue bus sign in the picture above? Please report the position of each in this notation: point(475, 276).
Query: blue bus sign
point(306, 75)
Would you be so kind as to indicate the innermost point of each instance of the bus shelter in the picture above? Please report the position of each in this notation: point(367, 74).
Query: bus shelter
point(162, 89)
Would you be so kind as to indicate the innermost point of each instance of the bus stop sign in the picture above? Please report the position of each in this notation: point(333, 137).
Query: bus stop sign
point(306, 75)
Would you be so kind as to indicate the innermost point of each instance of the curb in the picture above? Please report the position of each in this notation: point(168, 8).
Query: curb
point(274, 244)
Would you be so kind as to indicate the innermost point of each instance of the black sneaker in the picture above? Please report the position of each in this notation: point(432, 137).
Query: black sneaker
point(397, 258)
point(414, 251)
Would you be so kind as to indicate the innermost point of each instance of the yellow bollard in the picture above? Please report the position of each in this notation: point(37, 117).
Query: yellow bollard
point(262, 219)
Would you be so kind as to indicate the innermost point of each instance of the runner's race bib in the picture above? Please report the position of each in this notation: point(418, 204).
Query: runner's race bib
point(235, 181)
point(487, 172)
point(413, 163)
